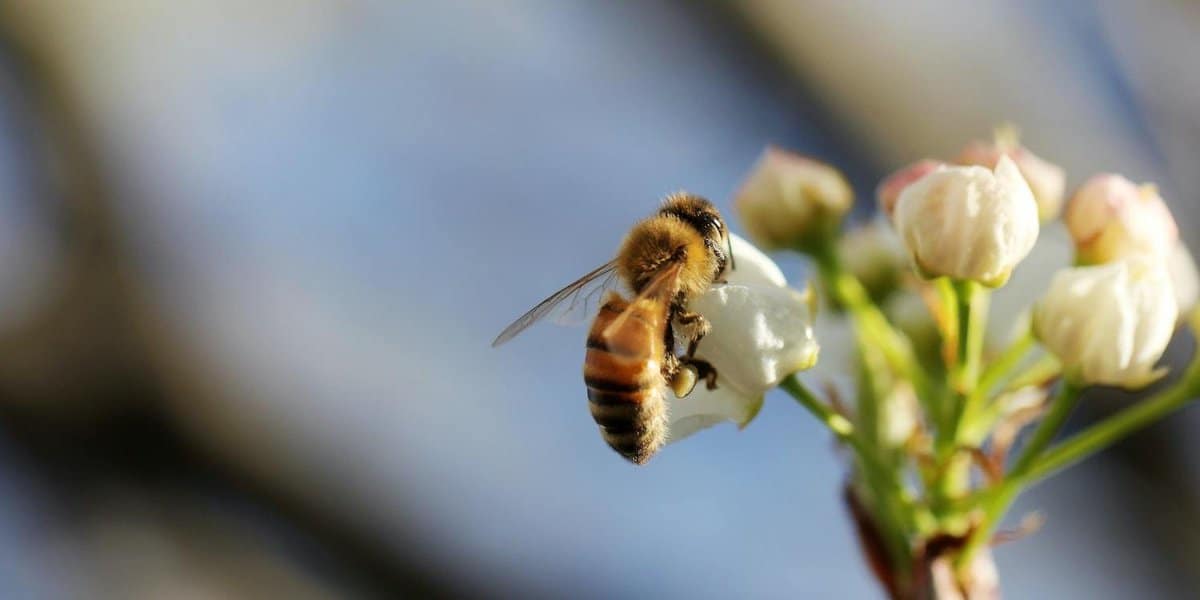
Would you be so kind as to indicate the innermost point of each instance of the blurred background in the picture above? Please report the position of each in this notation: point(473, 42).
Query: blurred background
point(252, 255)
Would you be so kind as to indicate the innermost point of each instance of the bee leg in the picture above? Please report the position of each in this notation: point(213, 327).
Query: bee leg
point(695, 328)
point(670, 366)
point(671, 363)
point(704, 369)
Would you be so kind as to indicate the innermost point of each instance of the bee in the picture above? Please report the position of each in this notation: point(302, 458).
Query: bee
point(666, 261)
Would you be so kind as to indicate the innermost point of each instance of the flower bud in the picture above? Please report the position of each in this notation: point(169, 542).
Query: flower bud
point(1047, 181)
point(789, 201)
point(888, 191)
point(1111, 218)
point(968, 223)
point(874, 255)
point(1109, 324)
point(762, 332)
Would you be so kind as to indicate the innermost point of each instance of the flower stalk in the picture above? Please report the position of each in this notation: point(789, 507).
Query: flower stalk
point(871, 326)
point(885, 490)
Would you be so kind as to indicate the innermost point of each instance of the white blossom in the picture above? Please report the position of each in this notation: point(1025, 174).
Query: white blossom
point(1109, 324)
point(762, 332)
point(968, 223)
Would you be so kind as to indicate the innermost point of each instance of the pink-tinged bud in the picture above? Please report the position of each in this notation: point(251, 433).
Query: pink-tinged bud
point(1047, 181)
point(888, 191)
point(790, 201)
point(1111, 218)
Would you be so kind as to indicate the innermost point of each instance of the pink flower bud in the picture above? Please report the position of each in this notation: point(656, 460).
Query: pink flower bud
point(888, 191)
point(1110, 218)
point(1047, 181)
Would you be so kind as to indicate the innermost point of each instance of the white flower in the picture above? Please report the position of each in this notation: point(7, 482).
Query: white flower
point(790, 200)
point(968, 223)
point(1109, 324)
point(1046, 180)
point(761, 333)
point(1110, 218)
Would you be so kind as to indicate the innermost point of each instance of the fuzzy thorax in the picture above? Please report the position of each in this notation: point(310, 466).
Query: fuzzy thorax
point(659, 241)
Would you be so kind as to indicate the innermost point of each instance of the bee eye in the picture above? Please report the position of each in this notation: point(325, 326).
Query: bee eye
point(712, 222)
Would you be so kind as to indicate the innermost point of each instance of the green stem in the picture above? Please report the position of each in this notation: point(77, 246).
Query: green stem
point(981, 415)
point(885, 490)
point(994, 509)
point(971, 302)
point(972, 325)
point(952, 347)
point(1056, 417)
point(1003, 365)
point(1039, 373)
point(837, 423)
point(872, 327)
point(1032, 468)
point(1117, 427)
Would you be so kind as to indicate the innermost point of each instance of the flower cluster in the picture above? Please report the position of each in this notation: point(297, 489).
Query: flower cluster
point(933, 430)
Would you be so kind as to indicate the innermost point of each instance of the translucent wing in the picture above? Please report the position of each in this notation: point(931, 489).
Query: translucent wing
point(660, 289)
point(568, 302)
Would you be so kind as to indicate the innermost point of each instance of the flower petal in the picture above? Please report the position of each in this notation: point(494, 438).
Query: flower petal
point(704, 408)
point(760, 334)
point(753, 267)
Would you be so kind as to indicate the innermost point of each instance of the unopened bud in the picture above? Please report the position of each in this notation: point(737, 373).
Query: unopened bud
point(790, 201)
point(1109, 324)
point(1111, 218)
point(874, 255)
point(968, 223)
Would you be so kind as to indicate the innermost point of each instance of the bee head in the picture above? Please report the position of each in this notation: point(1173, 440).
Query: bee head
point(704, 218)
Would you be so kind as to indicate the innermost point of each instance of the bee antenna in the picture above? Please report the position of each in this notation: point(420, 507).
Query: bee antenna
point(729, 245)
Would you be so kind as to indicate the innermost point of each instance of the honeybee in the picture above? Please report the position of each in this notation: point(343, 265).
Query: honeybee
point(666, 261)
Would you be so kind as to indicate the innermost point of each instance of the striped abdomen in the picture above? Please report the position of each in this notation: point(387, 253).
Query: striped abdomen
point(623, 374)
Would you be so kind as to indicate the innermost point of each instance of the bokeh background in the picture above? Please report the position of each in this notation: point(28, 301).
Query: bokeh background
point(252, 255)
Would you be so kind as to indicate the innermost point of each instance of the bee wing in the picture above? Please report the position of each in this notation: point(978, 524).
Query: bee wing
point(584, 303)
point(573, 299)
point(660, 289)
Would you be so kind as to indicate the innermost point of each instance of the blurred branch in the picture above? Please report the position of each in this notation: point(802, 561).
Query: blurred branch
point(78, 390)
